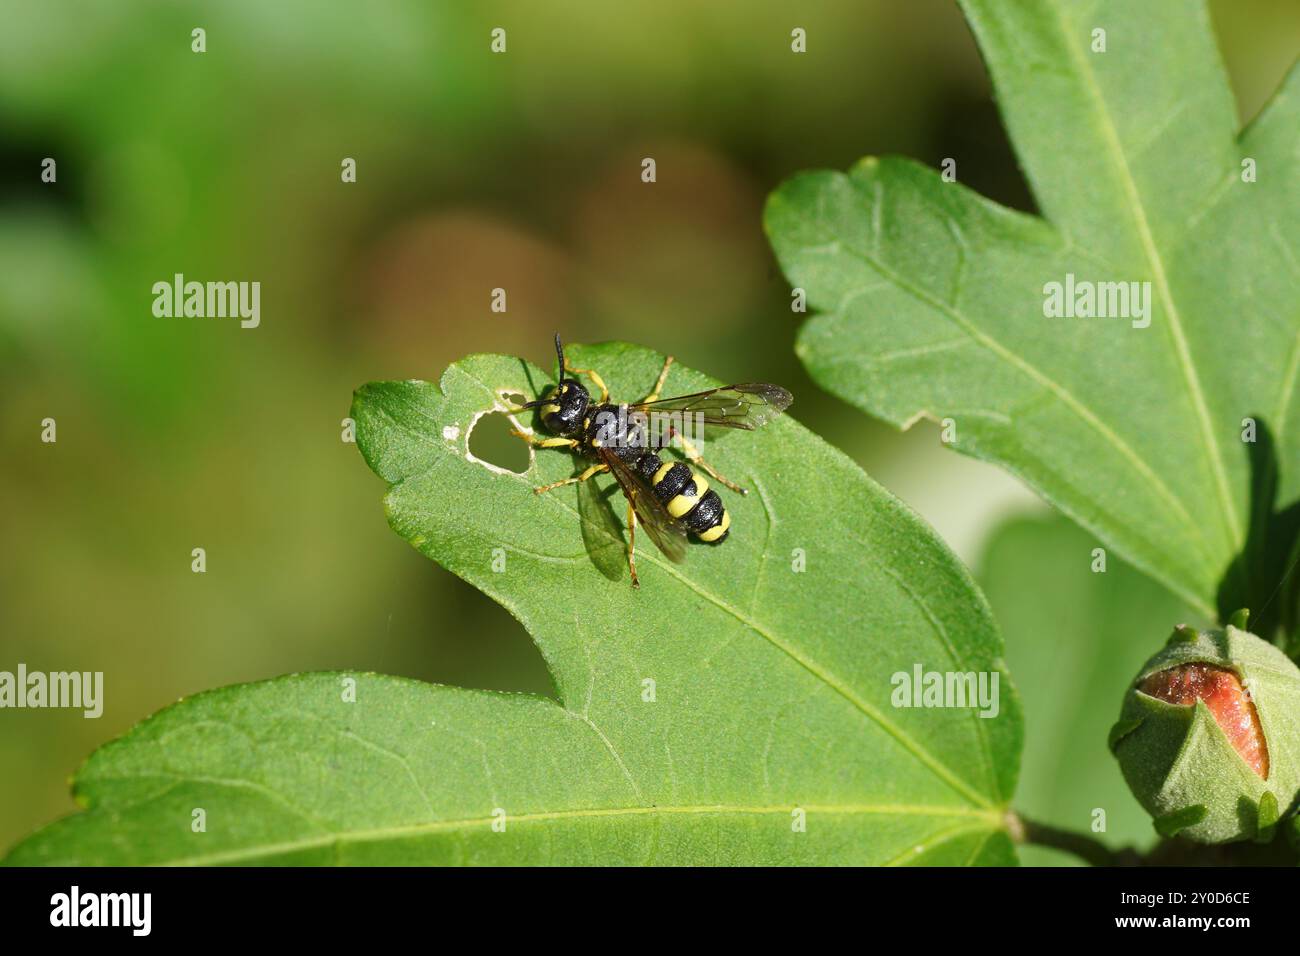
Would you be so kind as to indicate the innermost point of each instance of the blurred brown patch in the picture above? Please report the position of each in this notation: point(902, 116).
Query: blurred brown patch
point(428, 283)
point(685, 253)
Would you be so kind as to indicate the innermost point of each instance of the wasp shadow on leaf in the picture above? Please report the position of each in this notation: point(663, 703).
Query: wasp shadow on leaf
point(533, 387)
point(601, 530)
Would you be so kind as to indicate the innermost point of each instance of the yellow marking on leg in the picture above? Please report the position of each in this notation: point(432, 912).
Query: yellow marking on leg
point(631, 542)
point(594, 376)
point(589, 473)
point(659, 385)
point(693, 455)
point(544, 442)
point(718, 530)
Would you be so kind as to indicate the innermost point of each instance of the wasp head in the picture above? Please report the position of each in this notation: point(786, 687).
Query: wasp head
point(565, 407)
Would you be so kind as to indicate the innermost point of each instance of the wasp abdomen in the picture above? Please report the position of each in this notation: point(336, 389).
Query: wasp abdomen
point(687, 497)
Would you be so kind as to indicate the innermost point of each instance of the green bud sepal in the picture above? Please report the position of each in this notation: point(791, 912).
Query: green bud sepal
point(1179, 761)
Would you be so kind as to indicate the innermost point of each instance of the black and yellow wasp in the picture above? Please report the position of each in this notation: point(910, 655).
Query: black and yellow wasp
point(668, 499)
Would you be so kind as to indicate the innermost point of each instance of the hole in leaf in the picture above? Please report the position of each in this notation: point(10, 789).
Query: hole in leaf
point(490, 441)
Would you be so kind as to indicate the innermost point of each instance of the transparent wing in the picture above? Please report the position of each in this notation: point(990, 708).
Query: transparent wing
point(668, 534)
point(747, 405)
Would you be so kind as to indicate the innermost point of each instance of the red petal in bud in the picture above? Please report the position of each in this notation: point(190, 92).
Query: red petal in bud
point(1227, 700)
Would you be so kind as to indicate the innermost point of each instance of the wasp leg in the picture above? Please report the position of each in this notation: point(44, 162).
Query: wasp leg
point(631, 542)
point(594, 376)
point(544, 442)
point(589, 473)
point(659, 385)
point(693, 456)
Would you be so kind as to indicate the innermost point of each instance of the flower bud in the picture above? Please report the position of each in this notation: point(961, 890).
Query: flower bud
point(1208, 738)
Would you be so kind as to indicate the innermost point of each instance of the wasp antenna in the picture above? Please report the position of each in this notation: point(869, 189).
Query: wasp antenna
point(559, 353)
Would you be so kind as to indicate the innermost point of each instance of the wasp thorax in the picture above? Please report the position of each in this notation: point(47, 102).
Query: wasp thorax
point(1208, 737)
point(564, 408)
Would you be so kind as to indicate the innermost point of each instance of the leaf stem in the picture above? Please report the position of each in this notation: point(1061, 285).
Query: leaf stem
point(1086, 848)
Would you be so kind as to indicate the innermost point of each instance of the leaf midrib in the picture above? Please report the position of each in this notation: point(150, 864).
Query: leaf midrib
point(1214, 453)
point(374, 834)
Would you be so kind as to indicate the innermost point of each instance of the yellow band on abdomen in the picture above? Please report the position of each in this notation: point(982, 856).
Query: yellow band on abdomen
point(680, 504)
point(718, 530)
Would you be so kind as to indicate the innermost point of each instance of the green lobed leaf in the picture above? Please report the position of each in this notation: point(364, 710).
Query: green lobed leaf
point(771, 687)
point(930, 298)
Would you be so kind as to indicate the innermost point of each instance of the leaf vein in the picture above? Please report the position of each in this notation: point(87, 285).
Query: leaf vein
point(1214, 454)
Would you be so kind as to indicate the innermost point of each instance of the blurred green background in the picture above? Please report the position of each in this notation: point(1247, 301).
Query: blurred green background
point(474, 171)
